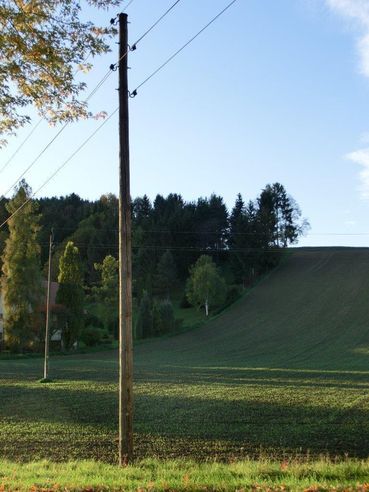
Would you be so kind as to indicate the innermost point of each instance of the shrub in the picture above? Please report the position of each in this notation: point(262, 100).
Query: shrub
point(184, 304)
point(163, 318)
point(93, 320)
point(92, 336)
point(144, 322)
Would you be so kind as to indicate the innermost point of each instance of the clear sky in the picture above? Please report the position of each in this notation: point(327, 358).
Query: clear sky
point(275, 90)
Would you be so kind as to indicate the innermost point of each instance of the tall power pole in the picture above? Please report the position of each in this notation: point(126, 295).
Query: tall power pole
point(47, 328)
point(125, 260)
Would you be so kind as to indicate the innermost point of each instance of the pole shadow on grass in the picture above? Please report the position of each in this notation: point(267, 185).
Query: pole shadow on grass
point(200, 413)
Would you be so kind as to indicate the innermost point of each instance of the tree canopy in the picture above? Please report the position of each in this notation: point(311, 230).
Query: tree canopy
point(42, 44)
point(70, 294)
point(21, 280)
point(169, 237)
point(205, 287)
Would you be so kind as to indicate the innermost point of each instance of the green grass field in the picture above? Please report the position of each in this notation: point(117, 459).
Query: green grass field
point(282, 374)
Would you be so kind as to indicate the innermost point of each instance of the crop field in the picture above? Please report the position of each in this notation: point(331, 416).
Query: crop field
point(282, 374)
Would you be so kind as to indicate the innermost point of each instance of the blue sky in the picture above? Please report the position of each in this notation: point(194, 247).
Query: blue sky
point(275, 90)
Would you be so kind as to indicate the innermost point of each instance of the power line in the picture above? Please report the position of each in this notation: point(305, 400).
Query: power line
point(128, 5)
point(92, 93)
point(32, 130)
point(21, 145)
point(112, 68)
point(134, 46)
point(174, 233)
point(134, 92)
point(59, 168)
point(36, 159)
point(195, 249)
point(176, 248)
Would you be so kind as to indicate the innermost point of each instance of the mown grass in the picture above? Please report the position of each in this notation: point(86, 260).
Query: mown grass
point(283, 374)
point(181, 475)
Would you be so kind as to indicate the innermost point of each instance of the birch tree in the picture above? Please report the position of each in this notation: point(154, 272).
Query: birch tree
point(205, 286)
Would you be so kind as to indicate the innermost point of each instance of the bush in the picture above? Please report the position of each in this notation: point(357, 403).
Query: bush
point(92, 336)
point(163, 318)
point(184, 304)
point(144, 322)
point(93, 320)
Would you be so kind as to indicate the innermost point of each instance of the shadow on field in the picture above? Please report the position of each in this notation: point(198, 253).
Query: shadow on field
point(256, 376)
point(276, 428)
point(198, 412)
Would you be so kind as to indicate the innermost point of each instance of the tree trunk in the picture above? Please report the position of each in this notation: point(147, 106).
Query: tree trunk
point(206, 307)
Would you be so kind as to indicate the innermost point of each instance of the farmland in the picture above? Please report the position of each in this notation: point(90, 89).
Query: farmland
point(282, 374)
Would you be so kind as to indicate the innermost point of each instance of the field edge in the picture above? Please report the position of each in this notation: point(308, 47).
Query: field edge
point(185, 475)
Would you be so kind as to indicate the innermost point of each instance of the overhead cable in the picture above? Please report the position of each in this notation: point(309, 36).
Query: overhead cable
point(33, 129)
point(112, 68)
point(128, 5)
point(21, 144)
point(134, 92)
point(134, 46)
point(60, 168)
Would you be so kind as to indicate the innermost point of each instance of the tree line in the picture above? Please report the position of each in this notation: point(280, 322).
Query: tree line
point(178, 246)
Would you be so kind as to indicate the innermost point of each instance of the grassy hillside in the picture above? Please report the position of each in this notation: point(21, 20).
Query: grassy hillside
point(312, 312)
point(284, 372)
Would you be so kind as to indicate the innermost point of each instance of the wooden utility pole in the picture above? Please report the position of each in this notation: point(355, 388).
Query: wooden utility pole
point(47, 328)
point(125, 260)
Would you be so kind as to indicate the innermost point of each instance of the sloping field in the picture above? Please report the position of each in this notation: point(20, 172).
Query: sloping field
point(312, 312)
point(284, 372)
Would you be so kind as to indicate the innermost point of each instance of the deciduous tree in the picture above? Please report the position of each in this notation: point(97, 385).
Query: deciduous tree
point(42, 43)
point(205, 287)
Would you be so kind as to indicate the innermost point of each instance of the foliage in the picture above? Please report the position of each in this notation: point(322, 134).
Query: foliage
point(92, 336)
point(63, 215)
point(184, 304)
point(166, 277)
point(279, 216)
point(21, 281)
point(70, 294)
point(205, 286)
point(107, 293)
point(97, 235)
point(41, 45)
point(259, 230)
point(247, 240)
point(144, 322)
point(243, 241)
point(143, 271)
point(163, 318)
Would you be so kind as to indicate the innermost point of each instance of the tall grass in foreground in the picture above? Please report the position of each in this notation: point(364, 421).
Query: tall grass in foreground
point(182, 475)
